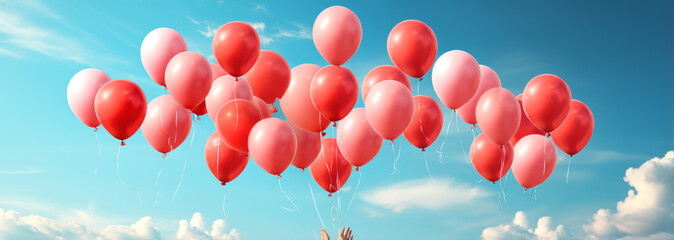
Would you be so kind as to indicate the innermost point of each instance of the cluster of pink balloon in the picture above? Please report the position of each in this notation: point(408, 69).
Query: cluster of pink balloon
point(238, 91)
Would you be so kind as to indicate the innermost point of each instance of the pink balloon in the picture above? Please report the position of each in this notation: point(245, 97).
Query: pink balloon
point(296, 102)
point(535, 159)
point(389, 108)
point(308, 147)
point(488, 80)
point(356, 139)
point(157, 49)
point(166, 124)
point(337, 33)
point(81, 93)
point(189, 78)
point(225, 89)
point(262, 106)
point(456, 77)
point(498, 114)
point(217, 71)
point(272, 144)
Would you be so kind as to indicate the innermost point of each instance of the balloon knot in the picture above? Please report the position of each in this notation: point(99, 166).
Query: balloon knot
point(236, 79)
point(494, 182)
point(279, 176)
point(123, 144)
point(421, 78)
point(454, 110)
point(525, 189)
point(95, 129)
point(302, 170)
point(323, 133)
point(391, 142)
point(570, 156)
point(165, 87)
point(223, 183)
point(245, 155)
point(339, 67)
point(164, 155)
point(547, 134)
point(501, 146)
point(423, 149)
point(329, 194)
point(334, 124)
point(357, 168)
point(198, 118)
point(273, 108)
point(473, 127)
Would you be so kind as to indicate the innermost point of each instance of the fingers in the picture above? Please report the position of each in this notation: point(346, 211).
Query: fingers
point(341, 233)
point(349, 235)
point(324, 235)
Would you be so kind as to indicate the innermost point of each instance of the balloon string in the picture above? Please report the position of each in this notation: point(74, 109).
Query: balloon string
point(535, 195)
point(333, 214)
point(545, 152)
point(223, 204)
point(360, 175)
point(472, 130)
point(156, 183)
point(500, 183)
point(479, 181)
point(140, 197)
point(567, 170)
point(393, 150)
point(217, 161)
point(427, 170)
point(185, 165)
point(98, 161)
point(315, 206)
point(449, 123)
point(236, 105)
point(288, 197)
point(456, 116)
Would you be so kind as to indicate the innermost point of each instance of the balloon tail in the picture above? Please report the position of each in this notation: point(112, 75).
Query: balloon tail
point(224, 213)
point(156, 182)
point(98, 161)
point(288, 197)
point(316, 206)
point(545, 152)
point(360, 175)
point(185, 164)
point(567, 171)
point(449, 123)
point(479, 181)
point(393, 150)
point(456, 116)
point(535, 195)
point(140, 197)
point(122, 144)
point(500, 183)
point(427, 170)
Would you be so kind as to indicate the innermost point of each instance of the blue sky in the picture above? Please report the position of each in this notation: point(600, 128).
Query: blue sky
point(616, 56)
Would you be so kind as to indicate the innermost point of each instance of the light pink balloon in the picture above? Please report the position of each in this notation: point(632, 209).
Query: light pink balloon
point(272, 144)
point(166, 124)
point(337, 33)
point(308, 147)
point(217, 71)
point(296, 102)
point(157, 49)
point(189, 78)
point(81, 93)
point(456, 77)
point(356, 139)
point(488, 80)
point(389, 108)
point(225, 89)
point(534, 161)
point(498, 114)
point(263, 107)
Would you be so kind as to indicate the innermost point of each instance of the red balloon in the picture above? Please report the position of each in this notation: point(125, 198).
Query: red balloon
point(225, 163)
point(270, 76)
point(381, 73)
point(330, 169)
point(412, 47)
point(200, 109)
point(236, 47)
point(576, 130)
point(426, 122)
point(120, 106)
point(234, 121)
point(526, 126)
point(334, 91)
point(308, 147)
point(546, 101)
point(498, 114)
point(490, 158)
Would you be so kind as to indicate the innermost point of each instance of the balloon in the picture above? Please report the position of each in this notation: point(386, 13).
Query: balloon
point(157, 49)
point(412, 47)
point(456, 77)
point(526, 127)
point(534, 160)
point(236, 47)
point(546, 101)
point(200, 109)
point(334, 91)
point(381, 73)
point(188, 79)
point(489, 158)
point(356, 139)
point(488, 80)
point(217, 71)
point(426, 122)
point(225, 163)
point(308, 147)
point(81, 93)
point(389, 108)
point(265, 112)
point(330, 169)
point(166, 124)
point(337, 33)
point(272, 143)
point(225, 89)
point(498, 114)
point(269, 77)
point(296, 103)
point(120, 106)
point(576, 130)
point(234, 121)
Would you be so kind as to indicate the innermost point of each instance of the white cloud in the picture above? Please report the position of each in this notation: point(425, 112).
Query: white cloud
point(21, 171)
point(192, 20)
point(519, 229)
point(15, 226)
point(258, 26)
point(648, 209)
point(300, 32)
point(424, 194)
point(209, 32)
point(260, 8)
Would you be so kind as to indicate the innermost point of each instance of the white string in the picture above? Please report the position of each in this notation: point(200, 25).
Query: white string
point(98, 161)
point(188, 157)
point(360, 174)
point(500, 183)
point(427, 170)
point(223, 204)
point(567, 170)
point(140, 197)
point(545, 152)
point(439, 151)
point(459, 135)
point(420, 113)
point(315, 206)
point(156, 182)
point(394, 157)
point(288, 197)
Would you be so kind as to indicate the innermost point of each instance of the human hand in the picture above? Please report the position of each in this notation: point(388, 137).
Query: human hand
point(324, 235)
point(345, 235)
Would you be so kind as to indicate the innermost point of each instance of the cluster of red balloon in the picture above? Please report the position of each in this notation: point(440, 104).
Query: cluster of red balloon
point(312, 96)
